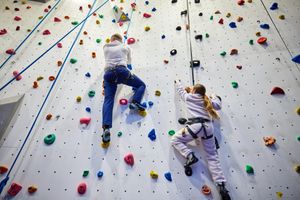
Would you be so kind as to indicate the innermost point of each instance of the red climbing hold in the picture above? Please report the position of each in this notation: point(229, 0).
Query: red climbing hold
point(17, 18)
point(81, 189)
point(10, 51)
point(133, 5)
point(241, 2)
point(221, 21)
point(18, 77)
point(59, 45)
point(3, 31)
point(46, 32)
point(146, 15)
point(262, 40)
point(85, 120)
point(14, 189)
point(28, 7)
point(130, 41)
point(80, 8)
point(129, 159)
point(3, 169)
point(277, 90)
point(46, 10)
point(56, 19)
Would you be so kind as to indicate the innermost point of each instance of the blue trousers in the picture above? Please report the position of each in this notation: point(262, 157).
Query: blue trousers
point(119, 75)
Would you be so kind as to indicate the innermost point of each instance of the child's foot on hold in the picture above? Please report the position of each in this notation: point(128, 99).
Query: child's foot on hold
point(223, 191)
point(106, 136)
point(136, 106)
point(188, 171)
point(191, 159)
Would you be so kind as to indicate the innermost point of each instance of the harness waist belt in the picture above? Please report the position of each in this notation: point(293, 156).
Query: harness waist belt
point(112, 68)
point(195, 135)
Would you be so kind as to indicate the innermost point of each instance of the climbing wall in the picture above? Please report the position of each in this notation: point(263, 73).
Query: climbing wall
point(243, 80)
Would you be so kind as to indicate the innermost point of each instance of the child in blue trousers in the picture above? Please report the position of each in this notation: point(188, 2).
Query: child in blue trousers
point(117, 60)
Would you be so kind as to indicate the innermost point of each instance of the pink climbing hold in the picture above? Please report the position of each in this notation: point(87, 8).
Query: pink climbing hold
point(130, 41)
point(59, 45)
point(17, 18)
point(14, 189)
point(46, 32)
point(146, 15)
point(56, 19)
point(221, 21)
point(18, 77)
point(129, 159)
point(85, 120)
point(277, 90)
point(81, 189)
point(10, 51)
point(46, 10)
point(3, 31)
point(123, 102)
point(121, 23)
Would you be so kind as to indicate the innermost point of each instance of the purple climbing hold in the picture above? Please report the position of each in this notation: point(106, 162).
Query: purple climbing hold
point(152, 135)
point(296, 59)
point(274, 6)
point(265, 26)
point(232, 25)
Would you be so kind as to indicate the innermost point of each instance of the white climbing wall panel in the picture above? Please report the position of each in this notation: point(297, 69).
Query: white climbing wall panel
point(249, 111)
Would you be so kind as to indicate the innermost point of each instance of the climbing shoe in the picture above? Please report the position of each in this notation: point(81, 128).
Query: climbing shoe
point(223, 191)
point(191, 159)
point(188, 171)
point(136, 106)
point(106, 136)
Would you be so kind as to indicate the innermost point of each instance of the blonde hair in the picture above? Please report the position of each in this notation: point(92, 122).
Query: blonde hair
point(200, 89)
point(116, 36)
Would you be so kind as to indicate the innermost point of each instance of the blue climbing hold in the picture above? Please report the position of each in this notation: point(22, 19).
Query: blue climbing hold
point(232, 25)
point(88, 109)
point(129, 66)
point(265, 26)
point(168, 176)
point(296, 59)
point(113, 21)
point(163, 37)
point(153, 9)
point(144, 104)
point(274, 6)
point(152, 135)
point(150, 103)
point(100, 174)
point(125, 37)
point(88, 75)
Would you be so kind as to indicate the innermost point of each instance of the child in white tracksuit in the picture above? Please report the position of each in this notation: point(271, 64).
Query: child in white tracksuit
point(202, 111)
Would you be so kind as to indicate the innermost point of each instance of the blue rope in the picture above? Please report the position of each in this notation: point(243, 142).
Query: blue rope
point(125, 39)
point(15, 50)
point(4, 181)
point(5, 85)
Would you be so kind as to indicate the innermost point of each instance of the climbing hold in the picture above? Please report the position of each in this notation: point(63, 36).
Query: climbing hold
point(168, 176)
point(217, 12)
point(73, 60)
point(152, 135)
point(81, 42)
point(206, 35)
point(171, 132)
point(49, 117)
point(49, 139)
point(211, 17)
point(232, 25)
point(239, 19)
point(35, 84)
point(130, 41)
point(183, 13)
point(81, 189)
point(3, 169)
point(298, 110)
point(142, 113)
point(258, 34)
point(88, 109)
point(67, 17)
point(249, 169)
point(178, 28)
point(32, 189)
point(51, 78)
point(17, 18)
point(146, 15)
point(74, 23)
point(120, 133)
point(56, 19)
point(274, 6)
point(200, 14)
point(59, 45)
point(78, 99)
point(40, 43)
point(6, 8)
point(239, 67)
point(97, 21)
point(153, 174)
point(298, 138)
point(150, 103)
point(166, 61)
point(223, 53)
point(241, 2)
point(46, 32)
point(265, 26)
point(157, 93)
point(269, 140)
point(100, 174)
point(173, 52)
point(279, 194)
point(147, 28)
point(233, 52)
point(129, 159)
point(59, 63)
point(123, 102)
point(234, 84)
point(221, 21)
point(85, 120)
point(199, 37)
point(14, 189)
point(182, 120)
point(17, 28)
point(153, 9)
point(282, 17)
point(18, 77)
point(297, 168)
point(251, 42)
point(98, 40)
point(93, 54)
point(163, 37)
point(249, 1)
point(105, 145)
point(10, 51)
point(296, 59)
point(85, 32)
point(85, 173)
point(174, 1)
point(262, 40)
point(206, 190)
point(107, 40)
point(277, 90)
point(3, 31)
point(91, 93)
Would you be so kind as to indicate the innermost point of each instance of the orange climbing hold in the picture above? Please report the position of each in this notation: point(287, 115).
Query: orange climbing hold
point(32, 189)
point(233, 52)
point(262, 40)
point(277, 90)
point(206, 190)
point(269, 140)
point(81, 42)
point(3, 169)
point(97, 21)
point(239, 19)
point(49, 117)
point(67, 17)
point(35, 84)
point(93, 54)
point(51, 78)
point(59, 63)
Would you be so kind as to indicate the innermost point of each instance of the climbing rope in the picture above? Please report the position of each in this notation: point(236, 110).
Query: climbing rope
point(126, 36)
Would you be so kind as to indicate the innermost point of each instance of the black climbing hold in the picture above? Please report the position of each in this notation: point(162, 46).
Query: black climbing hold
point(174, 1)
point(195, 63)
point(188, 171)
point(217, 143)
point(173, 52)
point(199, 37)
point(201, 14)
point(197, 1)
point(183, 12)
point(182, 121)
point(178, 28)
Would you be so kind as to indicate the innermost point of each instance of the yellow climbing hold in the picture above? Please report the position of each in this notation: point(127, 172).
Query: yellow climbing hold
point(78, 99)
point(298, 110)
point(97, 21)
point(279, 194)
point(228, 15)
point(147, 28)
point(157, 93)
point(297, 168)
point(105, 145)
point(153, 174)
point(142, 113)
point(282, 17)
point(107, 40)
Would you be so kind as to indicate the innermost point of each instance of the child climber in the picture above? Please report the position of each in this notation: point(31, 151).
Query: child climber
point(117, 59)
point(202, 110)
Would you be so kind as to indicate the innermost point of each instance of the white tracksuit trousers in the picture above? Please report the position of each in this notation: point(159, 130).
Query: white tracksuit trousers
point(181, 137)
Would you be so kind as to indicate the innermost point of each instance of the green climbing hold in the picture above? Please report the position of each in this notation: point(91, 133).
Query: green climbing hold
point(75, 23)
point(120, 134)
point(171, 132)
point(73, 60)
point(92, 93)
point(298, 138)
point(49, 139)
point(98, 40)
point(85, 173)
point(249, 169)
point(101, 16)
point(211, 17)
point(234, 84)
point(40, 43)
point(251, 42)
point(206, 35)
point(223, 53)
